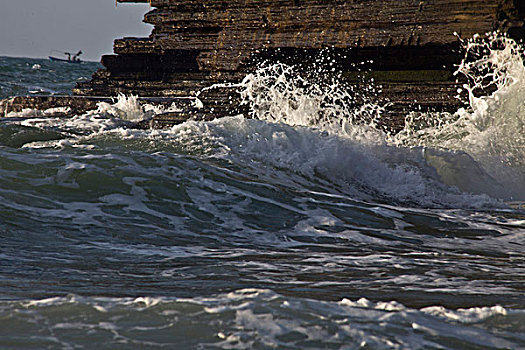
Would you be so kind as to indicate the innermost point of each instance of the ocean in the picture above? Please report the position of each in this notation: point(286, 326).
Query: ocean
point(301, 227)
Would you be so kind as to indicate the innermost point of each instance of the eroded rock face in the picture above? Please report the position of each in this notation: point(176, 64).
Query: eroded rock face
point(409, 47)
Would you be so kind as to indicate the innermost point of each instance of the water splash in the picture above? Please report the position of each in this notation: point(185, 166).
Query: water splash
point(492, 129)
point(129, 108)
point(480, 149)
point(277, 93)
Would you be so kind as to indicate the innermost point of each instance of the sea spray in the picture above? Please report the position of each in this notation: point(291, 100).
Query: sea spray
point(278, 93)
point(478, 150)
point(492, 129)
point(129, 108)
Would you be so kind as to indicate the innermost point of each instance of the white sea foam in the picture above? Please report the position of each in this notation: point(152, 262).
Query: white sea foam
point(277, 93)
point(249, 318)
point(478, 150)
point(471, 315)
point(129, 108)
point(492, 130)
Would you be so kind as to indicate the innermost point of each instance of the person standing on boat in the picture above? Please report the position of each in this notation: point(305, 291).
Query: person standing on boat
point(75, 58)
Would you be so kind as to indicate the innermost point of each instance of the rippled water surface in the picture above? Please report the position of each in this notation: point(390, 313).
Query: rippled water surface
point(23, 76)
point(273, 232)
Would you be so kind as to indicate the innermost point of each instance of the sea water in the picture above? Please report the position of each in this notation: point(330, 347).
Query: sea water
point(303, 226)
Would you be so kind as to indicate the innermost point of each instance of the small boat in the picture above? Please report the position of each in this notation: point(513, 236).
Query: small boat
point(53, 59)
point(69, 59)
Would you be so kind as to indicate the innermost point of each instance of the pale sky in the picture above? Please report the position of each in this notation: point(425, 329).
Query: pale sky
point(32, 28)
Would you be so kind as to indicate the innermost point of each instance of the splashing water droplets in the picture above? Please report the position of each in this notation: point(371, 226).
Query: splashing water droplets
point(489, 134)
point(129, 108)
point(277, 93)
point(492, 129)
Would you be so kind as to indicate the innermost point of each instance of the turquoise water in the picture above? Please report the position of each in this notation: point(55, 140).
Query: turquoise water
point(284, 231)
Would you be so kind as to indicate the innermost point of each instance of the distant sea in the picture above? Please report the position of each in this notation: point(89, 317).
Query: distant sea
point(25, 76)
point(299, 228)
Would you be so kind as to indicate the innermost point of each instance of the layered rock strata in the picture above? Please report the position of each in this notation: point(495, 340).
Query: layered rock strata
point(409, 47)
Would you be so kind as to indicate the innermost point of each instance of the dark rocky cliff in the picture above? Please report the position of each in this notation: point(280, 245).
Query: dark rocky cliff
point(409, 46)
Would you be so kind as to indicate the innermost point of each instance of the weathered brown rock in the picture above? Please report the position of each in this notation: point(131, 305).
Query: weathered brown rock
point(197, 43)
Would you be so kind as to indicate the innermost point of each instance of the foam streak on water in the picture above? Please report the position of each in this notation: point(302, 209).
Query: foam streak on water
point(306, 226)
point(255, 318)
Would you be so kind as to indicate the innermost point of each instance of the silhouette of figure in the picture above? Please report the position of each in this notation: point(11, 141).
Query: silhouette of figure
point(75, 58)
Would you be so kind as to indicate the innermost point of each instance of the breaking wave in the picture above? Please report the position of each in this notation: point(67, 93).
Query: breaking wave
point(472, 158)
